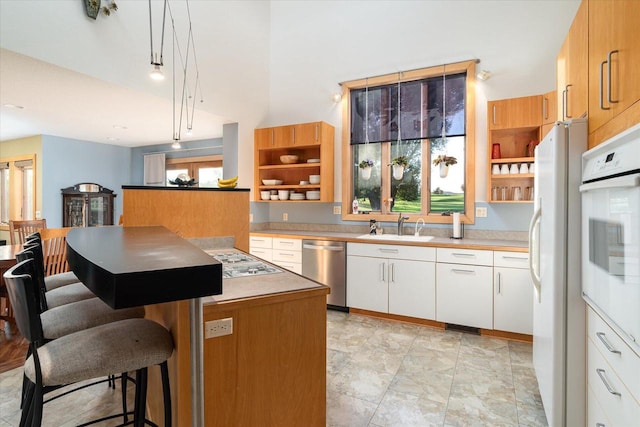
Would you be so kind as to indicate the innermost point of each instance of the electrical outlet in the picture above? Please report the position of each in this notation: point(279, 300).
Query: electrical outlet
point(250, 217)
point(38, 215)
point(481, 212)
point(218, 328)
point(285, 216)
point(337, 210)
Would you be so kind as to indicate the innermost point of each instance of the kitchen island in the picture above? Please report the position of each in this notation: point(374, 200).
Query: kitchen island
point(271, 370)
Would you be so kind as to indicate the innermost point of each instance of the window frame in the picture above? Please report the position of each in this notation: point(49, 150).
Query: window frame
point(192, 164)
point(17, 190)
point(468, 216)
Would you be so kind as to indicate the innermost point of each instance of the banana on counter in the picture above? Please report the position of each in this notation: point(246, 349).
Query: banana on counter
point(228, 183)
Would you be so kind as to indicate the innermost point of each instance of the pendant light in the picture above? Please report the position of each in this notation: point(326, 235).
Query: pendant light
point(156, 72)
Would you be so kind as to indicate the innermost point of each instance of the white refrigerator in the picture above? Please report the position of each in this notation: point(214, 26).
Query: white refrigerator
point(559, 351)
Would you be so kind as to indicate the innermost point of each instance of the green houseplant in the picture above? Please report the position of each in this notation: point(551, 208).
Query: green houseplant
point(365, 168)
point(398, 164)
point(444, 161)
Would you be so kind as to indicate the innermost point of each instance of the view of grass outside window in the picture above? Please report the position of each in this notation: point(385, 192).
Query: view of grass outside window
point(409, 145)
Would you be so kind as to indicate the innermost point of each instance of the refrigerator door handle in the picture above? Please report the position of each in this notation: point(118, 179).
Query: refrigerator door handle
point(534, 250)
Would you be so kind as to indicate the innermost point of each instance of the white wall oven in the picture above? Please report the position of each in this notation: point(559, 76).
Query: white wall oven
point(611, 232)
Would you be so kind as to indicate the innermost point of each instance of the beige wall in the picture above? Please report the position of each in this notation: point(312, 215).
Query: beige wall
point(20, 147)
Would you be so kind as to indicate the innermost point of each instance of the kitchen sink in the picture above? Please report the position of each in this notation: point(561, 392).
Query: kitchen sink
point(403, 238)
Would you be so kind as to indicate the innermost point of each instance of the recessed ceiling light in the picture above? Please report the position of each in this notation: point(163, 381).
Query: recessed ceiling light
point(120, 127)
point(111, 138)
point(14, 106)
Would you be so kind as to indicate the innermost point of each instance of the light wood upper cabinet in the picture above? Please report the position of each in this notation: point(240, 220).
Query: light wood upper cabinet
point(614, 59)
point(515, 112)
point(313, 143)
point(571, 63)
point(549, 108)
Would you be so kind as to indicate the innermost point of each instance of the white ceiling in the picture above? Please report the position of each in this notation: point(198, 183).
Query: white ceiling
point(259, 61)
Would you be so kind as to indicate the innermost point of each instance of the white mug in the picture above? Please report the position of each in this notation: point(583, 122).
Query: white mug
point(504, 169)
point(514, 169)
point(524, 168)
point(495, 170)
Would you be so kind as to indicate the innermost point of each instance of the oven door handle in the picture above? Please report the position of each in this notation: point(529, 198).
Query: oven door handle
point(534, 250)
point(619, 182)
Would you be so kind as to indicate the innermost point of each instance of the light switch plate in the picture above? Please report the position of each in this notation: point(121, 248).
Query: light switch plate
point(481, 212)
point(337, 210)
point(285, 216)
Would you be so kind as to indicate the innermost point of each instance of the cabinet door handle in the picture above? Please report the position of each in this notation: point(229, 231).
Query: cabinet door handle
point(611, 101)
point(463, 255)
point(545, 101)
point(499, 284)
point(569, 116)
point(600, 425)
point(606, 343)
point(393, 272)
point(460, 271)
point(316, 133)
point(293, 132)
point(601, 373)
point(564, 103)
point(273, 137)
point(382, 276)
point(494, 114)
point(284, 242)
point(513, 257)
point(601, 87)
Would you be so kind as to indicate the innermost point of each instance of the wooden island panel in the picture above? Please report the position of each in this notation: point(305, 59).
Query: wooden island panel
point(190, 212)
point(272, 370)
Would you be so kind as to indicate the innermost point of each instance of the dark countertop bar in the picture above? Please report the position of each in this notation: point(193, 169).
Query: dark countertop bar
point(149, 187)
point(134, 266)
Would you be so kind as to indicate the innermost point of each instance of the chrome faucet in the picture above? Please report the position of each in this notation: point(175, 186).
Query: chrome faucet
point(401, 220)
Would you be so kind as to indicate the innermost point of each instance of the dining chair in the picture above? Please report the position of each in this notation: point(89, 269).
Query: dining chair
point(54, 247)
point(123, 346)
point(20, 229)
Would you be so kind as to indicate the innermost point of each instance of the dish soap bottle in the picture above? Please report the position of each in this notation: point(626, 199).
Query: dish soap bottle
point(354, 206)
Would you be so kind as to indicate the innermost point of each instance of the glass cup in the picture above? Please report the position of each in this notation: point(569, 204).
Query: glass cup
point(494, 193)
point(529, 193)
point(504, 194)
point(517, 193)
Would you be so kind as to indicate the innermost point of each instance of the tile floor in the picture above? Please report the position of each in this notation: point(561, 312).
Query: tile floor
point(379, 373)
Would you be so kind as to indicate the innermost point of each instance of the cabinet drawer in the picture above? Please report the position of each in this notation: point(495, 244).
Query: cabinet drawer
point(595, 413)
point(295, 267)
point(464, 295)
point(265, 254)
point(392, 251)
point(287, 244)
point(511, 259)
point(465, 256)
point(621, 358)
point(618, 404)
point(287, 256)
point(260, 242)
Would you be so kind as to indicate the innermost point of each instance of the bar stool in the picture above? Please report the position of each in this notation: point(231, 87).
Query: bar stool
point(56, 297)
point(122, 346)
point(53, 281)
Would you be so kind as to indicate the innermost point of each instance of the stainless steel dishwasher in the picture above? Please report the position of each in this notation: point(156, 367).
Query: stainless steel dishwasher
point(326, 262)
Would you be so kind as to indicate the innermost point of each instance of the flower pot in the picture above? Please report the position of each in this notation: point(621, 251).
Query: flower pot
point(444, 170)
point(398, 172)
point(365, 173)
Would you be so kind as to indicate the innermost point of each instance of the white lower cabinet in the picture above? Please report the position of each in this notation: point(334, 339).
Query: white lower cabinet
point(613, 376)
point(512, 300)
point(391, 284)
point(465, 295)
point(287, 253)
point(261, 247)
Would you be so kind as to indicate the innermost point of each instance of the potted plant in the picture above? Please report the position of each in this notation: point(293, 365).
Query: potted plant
point(365, 168)
point(399, 164)
point(444, 161)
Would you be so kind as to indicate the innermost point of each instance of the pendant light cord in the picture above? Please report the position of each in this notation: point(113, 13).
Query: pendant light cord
point(164, 14)
point(366, 113)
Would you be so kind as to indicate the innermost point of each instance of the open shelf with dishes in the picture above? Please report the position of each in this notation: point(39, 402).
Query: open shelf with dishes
point(511, 173)
point(301, 164)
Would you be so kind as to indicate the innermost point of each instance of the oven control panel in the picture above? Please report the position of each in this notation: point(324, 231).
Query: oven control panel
point(619, 155)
